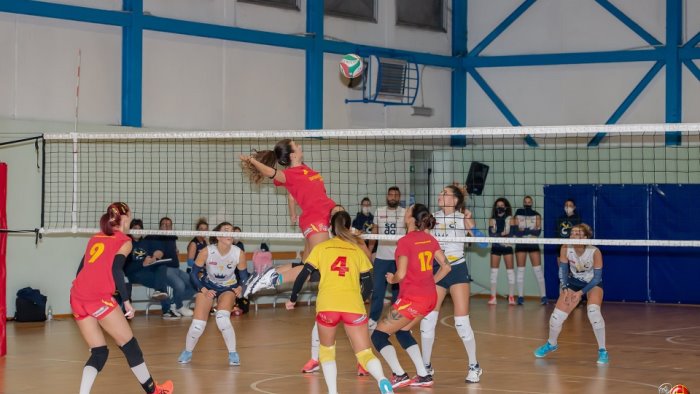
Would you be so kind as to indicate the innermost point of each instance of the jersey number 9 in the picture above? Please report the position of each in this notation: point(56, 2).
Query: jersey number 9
point(96, 251)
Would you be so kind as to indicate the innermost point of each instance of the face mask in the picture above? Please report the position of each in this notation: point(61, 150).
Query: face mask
point(569, 211)
point(365, 210)
point(527, 206)
point(500, 210)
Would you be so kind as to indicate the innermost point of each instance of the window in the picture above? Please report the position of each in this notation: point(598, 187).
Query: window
point(426, 14)
point(364, 10)
point(290, 4)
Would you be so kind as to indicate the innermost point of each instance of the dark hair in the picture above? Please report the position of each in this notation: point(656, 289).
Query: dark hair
point(136, 222)
point(200, 222)
point(459, 194)
point(340, 227)
point(393, 188)
point(570, 199)
point(509, 210)
point(113, 217)
point(279, 155)
point(213, 240)
point(423, 218)
point(530, 197)
point(237, 228)
point(164, 218)
point(365, 199)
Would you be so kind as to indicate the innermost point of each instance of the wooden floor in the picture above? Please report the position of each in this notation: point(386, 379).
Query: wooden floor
point(648, 345)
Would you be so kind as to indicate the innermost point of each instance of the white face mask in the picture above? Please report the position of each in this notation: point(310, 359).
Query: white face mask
point(365, 210)
point(569, 211)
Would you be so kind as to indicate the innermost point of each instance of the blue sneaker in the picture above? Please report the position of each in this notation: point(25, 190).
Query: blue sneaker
point(602, 357)
point(544, 301)
point(545, 349)
point(233, 359)
point(385, 386)
point(521, 300)
point(185, 357)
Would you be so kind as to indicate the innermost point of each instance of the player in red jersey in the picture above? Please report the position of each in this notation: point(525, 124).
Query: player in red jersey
point(415, 253)
point(305, 188)
point(101, 271)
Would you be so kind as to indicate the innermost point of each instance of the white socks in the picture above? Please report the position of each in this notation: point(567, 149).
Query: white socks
point(427, 335)
point(598, 324)
point(193, 334)
point(555, 323)
point(520, 279)
point(223, 321)
point(465, 332)
point(315, 342)
point(539, 275)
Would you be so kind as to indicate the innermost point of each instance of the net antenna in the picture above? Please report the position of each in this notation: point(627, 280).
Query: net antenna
point(389, 81)
point(74, 207)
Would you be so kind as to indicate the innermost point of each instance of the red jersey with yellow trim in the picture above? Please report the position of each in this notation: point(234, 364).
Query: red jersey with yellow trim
point(95, 280)
point(307, 188)
point(420, 248)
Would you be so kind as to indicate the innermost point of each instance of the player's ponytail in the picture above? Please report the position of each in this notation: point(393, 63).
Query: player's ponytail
point(459, 195)
point(423, 218)
point(113, 217)
point(281, 154)
point(340, 227)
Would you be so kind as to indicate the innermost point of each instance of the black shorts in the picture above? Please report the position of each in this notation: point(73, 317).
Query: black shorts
point(527, 248)
point(458, 274)
point(500, 250)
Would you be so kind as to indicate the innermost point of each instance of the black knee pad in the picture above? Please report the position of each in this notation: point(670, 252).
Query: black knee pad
point(380, 340)
point(405, 339)
point(98, 357)
point(133, 353)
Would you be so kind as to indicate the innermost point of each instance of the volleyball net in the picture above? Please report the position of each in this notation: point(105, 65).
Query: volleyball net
point(188, 175)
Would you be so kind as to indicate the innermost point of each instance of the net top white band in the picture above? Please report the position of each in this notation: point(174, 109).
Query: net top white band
point(409, 132)
point(293, 236)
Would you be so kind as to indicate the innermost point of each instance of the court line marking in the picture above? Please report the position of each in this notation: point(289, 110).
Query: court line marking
point(665, 330)
point(673, 341)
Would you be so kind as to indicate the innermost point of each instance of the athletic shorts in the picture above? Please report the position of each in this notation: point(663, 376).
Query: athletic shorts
point(458, 274)
point(314, 224)
point(577, 284)
point(527, 248)
point(412, 308)
point(97, 309)
point(218, 289)
point(500, 250)
point(332, 319)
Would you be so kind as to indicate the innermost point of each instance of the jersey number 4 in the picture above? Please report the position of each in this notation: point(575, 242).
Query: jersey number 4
point(96, 251)
point(340, 265)
point(426, 260)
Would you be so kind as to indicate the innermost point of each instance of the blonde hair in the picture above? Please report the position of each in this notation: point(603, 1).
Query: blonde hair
point(586, 229)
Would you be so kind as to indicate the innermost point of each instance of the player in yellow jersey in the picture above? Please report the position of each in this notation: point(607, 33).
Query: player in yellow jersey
point(343, 266)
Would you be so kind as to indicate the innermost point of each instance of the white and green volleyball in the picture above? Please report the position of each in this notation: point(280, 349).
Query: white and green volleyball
point(351, 66)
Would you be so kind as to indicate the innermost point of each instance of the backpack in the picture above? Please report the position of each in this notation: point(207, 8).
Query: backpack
point(262, 260)
point(30, 305)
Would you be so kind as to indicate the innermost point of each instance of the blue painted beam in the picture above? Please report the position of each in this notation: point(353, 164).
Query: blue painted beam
point(429, 59)
point(132, 65)
point(66, 12)
point(314, 65)
point(627, 102)
point(499, 104)
point(550, 59)
point(501, 27)
point(689, 53)
point(622, 17)
point(229, 33)
point(674, 103)
point(693, 41)
point(693, 68)
point(458, 91)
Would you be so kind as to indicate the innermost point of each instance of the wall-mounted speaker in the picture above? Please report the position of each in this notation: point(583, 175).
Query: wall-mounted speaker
point(476, 180)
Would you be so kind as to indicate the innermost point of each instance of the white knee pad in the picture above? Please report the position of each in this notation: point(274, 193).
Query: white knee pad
point(464, 328)
point(557, 319)
point(223, 320)
point(494, 275)
point(595, 317)
point(511, 276)
point(197, 328)
point(427, 325)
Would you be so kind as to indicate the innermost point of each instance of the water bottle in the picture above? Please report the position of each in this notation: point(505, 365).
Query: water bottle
point(49, 314)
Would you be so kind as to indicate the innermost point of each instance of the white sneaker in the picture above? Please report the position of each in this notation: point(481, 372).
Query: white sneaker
point(174, 311)
point(267, 280)
point(159, 295)
point(185, 311)
point(474, 374)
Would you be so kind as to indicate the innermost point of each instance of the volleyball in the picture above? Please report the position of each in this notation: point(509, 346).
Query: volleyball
point(351, 66)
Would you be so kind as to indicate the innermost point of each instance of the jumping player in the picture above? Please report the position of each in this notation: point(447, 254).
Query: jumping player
point(101, 270)
point(220, 260)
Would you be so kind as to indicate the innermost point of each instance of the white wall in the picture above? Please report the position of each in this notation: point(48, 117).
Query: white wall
point(194, 83)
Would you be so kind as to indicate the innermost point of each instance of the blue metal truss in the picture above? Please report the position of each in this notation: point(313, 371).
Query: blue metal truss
point(673, 55)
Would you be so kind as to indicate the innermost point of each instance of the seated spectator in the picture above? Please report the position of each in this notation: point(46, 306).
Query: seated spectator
point(141, 268)
point(197, 243)
point(177, 279)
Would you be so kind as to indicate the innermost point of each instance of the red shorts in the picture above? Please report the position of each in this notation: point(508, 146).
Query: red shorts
point(412, 308)
point(97, 309)
point(332, 319)
point(314, 224)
